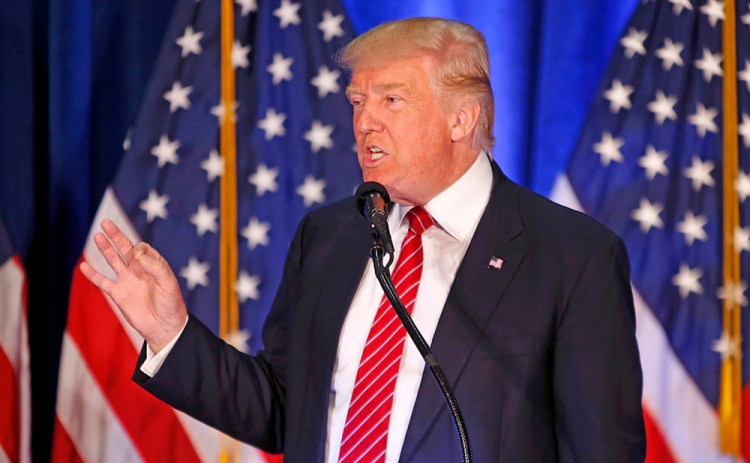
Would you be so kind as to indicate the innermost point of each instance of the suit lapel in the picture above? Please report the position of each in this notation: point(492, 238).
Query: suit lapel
point(474, 296)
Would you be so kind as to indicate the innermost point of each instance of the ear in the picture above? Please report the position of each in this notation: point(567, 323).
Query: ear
point(465, 120)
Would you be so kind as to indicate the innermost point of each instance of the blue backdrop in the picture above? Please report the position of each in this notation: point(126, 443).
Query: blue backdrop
point(72, 73)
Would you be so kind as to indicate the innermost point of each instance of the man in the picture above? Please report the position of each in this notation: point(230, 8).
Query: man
point(526, 304)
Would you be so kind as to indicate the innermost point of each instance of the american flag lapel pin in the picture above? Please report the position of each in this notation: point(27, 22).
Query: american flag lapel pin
point(495, 262)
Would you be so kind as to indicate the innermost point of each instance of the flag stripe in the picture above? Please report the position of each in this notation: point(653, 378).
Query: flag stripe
point(82, 412)
point(63, 448)
point(15, 406)
point(9, 413)
point(110, 356)
point(657, 450)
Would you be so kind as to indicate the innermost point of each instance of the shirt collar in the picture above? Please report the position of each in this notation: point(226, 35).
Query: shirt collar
point(457, 209)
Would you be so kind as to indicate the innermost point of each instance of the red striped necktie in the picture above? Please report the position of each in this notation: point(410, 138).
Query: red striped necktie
point(366, 429)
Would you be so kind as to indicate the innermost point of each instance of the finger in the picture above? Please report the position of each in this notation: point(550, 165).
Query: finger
point(110, 255)
point(149, 259)
point(121, 242)
point(99, 280)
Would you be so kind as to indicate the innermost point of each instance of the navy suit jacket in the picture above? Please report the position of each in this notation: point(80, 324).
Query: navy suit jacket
point(541, 352)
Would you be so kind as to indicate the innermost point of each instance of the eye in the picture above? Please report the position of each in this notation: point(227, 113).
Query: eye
point(355, 100)
point(393, 99)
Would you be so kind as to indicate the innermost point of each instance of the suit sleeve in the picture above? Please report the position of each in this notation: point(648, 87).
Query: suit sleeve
point(238, 394)
point(597, 373)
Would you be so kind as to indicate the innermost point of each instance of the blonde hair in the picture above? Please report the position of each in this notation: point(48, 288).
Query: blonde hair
point(458, 49)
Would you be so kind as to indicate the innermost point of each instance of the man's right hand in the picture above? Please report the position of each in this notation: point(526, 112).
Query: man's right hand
point(145, 290)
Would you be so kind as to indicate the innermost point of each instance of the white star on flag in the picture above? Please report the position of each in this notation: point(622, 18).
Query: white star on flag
point(670, 54)
point(648, 215)
point(248, 6)
point(247, 287)
point(703, 120)
point(178, 97)
point(742, 185)
point(256, 233)
point(213, 165)
point(710, 64)
point(744, 75)
point(735, 292)
point(692, 227)
point(326, 81)
point(331, 26)
point(618, 96)
point(280, 69)
point(219, 112)
point(264, 179)
point(726, 346)
point(273, 124)
point(633, 42)
point(238, 340)
point(700, 173)
point(744, 130)
point(654, 162)
point(742, 239)
point(154, 206)
point(714, 10)
point(312, 191)
point(746, 18)
point(678, 5)
point(239, 55)
point(195, 273)
point(687, 280)
point(319, 136)
point(204, 220)
point(127, 141)
point(190, 42)
point(663, 107)
point(166, 151)
point(287, 13)
point(609, 148)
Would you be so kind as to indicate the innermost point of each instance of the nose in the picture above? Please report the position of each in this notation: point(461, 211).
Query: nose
point(366, 120)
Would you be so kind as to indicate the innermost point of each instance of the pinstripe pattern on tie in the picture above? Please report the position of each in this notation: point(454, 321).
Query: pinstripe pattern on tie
point(366, 429)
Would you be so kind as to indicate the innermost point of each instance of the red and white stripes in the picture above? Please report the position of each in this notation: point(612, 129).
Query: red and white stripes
point(15, 381)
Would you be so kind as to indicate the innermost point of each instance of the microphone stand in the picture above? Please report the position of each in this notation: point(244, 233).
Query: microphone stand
point(384, 278)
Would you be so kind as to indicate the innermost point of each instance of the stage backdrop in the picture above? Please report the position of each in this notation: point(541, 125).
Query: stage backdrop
point(73, 75)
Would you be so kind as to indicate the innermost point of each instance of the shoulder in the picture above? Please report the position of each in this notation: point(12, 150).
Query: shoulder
point(542, 215)
point(552, 231)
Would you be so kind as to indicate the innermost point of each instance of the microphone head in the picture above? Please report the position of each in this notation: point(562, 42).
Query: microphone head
point(367, 189)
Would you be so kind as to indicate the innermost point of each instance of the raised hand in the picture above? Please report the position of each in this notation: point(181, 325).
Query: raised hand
point(145, 290)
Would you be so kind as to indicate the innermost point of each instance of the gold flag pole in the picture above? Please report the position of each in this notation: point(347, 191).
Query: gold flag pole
point(730, 398)
point(228, 304)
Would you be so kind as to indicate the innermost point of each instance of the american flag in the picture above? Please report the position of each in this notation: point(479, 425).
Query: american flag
point(649, 165)
point(294, 153)
point(15, 381)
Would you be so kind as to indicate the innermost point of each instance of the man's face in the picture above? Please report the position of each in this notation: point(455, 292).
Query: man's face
point(403, 131)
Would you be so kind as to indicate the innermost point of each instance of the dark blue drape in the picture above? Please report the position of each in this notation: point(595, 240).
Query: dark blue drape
point(72, 73)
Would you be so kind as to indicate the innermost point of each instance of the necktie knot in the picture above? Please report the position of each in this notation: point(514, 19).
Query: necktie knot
point(419, 220)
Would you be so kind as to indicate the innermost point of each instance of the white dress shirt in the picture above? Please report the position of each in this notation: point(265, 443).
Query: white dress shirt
point(456, 211)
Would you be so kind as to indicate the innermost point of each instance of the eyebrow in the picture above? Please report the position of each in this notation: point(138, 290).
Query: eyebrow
point(378, 88)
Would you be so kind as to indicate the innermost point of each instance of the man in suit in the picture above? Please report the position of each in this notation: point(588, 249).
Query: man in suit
point(526, 304)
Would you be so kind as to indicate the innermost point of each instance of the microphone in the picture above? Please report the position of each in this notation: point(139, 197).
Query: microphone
point(373, 202)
